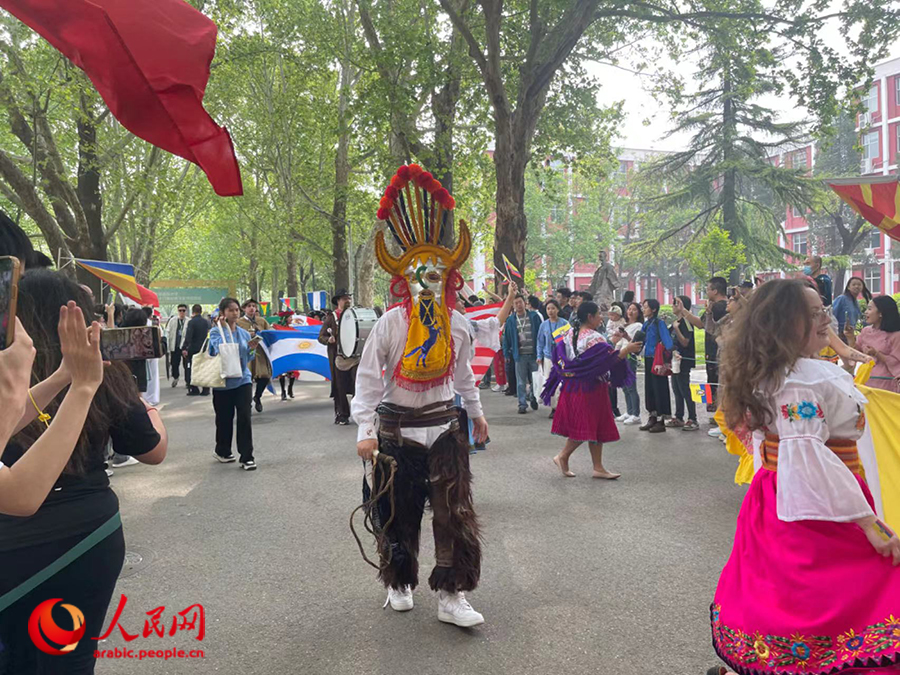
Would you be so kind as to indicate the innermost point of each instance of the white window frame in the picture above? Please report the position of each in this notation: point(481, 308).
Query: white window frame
point(872, 276)
point(897, 90)
point(800, 160)
point(874, 233)
point(797, 243)
point(795, 212)
point(871, 100)
point(871, 144)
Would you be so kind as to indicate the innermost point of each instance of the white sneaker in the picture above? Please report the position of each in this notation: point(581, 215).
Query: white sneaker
point(631, 419)
point(129, 461)
point(400, 600)
point(622, 418)
point(496, 387)
point(715, 433)
point(454, 608)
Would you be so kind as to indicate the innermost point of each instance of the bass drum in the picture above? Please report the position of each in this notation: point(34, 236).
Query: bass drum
point(355, 326)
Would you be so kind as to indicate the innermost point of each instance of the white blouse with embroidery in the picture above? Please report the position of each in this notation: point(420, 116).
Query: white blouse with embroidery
point(587, 338)
point(817, 401)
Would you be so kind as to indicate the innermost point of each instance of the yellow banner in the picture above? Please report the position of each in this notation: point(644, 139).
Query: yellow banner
point(883, 416)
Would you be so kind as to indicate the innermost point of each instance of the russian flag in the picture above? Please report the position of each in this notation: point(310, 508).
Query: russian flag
point(296, 349)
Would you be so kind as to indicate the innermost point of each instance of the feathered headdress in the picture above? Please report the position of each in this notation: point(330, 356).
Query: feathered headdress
point(416, 209)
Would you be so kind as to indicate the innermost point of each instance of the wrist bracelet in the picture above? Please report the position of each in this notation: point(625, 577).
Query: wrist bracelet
point(42, 416)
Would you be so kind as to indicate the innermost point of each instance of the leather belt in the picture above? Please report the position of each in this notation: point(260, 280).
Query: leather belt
point(393, 418)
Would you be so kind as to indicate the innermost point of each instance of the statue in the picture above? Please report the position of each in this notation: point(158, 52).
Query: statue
point(605, 281)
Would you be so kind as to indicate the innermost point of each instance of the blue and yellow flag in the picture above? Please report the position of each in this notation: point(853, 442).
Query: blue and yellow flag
point(118, 275)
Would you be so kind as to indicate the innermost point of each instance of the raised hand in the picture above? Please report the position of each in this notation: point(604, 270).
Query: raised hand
point(80, 347)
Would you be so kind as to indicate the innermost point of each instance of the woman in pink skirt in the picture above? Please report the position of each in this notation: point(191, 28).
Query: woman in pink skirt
point(586, 365)
point(812, 585)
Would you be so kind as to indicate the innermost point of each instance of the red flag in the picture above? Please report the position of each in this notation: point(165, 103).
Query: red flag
point(149, 60)
point(875, 199)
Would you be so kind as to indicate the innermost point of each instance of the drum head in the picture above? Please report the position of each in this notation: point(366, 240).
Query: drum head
point(348, 333)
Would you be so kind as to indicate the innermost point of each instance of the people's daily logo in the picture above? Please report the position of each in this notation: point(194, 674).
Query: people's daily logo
point(47, 635)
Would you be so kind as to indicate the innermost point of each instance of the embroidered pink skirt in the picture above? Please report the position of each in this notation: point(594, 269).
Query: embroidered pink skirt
point(809, 597)
point(585, 415)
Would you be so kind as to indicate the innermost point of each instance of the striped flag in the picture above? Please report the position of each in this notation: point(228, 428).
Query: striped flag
point(560, 333)
point(511, 270)
point(317, 299)
point(295, 349)
point(484, 356)
point(702, 393)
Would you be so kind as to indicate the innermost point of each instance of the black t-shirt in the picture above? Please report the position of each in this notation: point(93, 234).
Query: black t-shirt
point(688, 352)
point(78, 504)
point(719, 310)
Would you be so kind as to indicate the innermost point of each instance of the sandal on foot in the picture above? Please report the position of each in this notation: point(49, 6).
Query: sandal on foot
point(608, 475)
point(567, 474)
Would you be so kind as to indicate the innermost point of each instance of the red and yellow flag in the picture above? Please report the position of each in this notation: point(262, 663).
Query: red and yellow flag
point(875, 199)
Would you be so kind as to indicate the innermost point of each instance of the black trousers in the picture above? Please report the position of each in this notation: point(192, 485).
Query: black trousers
point(712, 378)
point(656, 391)
point(227, 402)
point(344, 386)
point(511, 384)
point(175, 359)
point(261, 385)
point(187, 369)
point(87, 583)
point(441, 476)
point(681, 384)
point(614, 400)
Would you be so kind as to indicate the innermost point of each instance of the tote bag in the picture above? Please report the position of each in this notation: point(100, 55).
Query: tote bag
point(205, 369)
point(662, 358)
point(230, 355)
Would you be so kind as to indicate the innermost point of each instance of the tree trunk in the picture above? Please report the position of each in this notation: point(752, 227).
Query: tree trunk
point(275, 289)
point(510, 160)
point(253, 268)
point(341, 182)
point(291, 273)
point(365, 272)
point(729, 179)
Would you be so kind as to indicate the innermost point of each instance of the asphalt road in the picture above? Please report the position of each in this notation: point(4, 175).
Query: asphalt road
point(580, 575)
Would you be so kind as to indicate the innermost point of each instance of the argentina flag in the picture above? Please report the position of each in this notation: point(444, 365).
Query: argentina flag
point(295, 349)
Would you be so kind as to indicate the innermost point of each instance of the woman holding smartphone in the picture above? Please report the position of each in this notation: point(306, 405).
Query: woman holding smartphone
point(72, 546)
point(237, 394)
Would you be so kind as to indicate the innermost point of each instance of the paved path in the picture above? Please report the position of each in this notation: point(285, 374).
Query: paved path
point(580, 575)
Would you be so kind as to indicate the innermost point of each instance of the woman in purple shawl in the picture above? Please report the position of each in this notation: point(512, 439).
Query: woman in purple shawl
point(586, 365)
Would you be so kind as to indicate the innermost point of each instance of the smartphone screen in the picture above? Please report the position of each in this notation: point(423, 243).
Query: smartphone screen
point(131, 344)
point(9, 289)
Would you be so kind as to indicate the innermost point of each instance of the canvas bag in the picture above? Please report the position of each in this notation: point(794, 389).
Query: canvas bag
point(205, 369)
point(230, 355)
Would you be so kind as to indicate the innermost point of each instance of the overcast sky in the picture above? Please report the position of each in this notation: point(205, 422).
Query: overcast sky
point(640, 106)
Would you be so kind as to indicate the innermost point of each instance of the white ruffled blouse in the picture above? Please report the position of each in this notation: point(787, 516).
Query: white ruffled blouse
point(817, 401)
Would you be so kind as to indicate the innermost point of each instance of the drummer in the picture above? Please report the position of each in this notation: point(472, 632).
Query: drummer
point(343, 370)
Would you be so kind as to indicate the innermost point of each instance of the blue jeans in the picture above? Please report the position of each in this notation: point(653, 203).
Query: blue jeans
point(632, 398)
point(525, 366)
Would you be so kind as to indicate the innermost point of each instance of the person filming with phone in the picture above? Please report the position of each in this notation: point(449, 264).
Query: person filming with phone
point(73, 545)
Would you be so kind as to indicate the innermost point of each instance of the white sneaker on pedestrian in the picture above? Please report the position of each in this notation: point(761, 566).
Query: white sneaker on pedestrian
point(128, 461)
point(716, 433)
point(622, 418)
point(400, 600)
point(631, 420)
point(496, 387)
point(454, 608)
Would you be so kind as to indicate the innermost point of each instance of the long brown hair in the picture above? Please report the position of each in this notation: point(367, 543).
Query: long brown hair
point(41, 294)
point(764, 340)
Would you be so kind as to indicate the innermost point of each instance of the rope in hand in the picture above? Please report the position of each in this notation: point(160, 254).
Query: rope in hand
point(380, 464)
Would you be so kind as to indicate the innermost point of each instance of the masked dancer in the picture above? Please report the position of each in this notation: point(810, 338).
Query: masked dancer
point(415, 357)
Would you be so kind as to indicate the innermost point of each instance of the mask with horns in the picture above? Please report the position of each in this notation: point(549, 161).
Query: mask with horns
point(417, 211)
